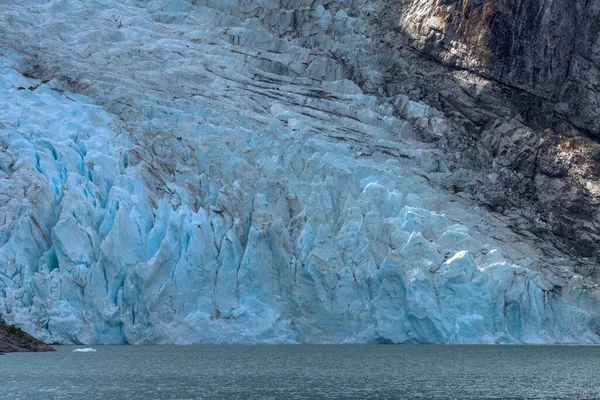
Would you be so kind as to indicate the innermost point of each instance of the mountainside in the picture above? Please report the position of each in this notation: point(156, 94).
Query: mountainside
point(282, 172)
point(524, 76)
point(13, 339)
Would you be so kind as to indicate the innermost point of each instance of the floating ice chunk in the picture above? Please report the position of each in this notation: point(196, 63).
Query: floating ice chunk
point(85, 350)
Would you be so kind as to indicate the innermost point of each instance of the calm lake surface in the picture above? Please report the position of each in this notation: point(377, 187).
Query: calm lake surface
point(304, 372)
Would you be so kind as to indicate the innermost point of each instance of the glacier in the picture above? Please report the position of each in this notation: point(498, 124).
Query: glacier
point(206, 172)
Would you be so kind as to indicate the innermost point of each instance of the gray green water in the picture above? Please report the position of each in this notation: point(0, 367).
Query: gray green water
point(304, 372)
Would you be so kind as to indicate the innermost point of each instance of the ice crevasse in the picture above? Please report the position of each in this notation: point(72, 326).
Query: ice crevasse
point(202, 172)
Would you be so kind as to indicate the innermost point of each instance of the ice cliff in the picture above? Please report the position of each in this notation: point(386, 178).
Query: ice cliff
point(206, 172)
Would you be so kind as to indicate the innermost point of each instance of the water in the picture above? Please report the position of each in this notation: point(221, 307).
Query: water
point(304, 372)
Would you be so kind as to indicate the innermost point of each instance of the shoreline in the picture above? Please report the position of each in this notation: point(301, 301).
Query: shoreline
point(15, 340)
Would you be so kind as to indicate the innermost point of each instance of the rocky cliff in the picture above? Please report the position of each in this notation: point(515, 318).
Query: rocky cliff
point(524, 76)
point(549, 50)
point(13, 339)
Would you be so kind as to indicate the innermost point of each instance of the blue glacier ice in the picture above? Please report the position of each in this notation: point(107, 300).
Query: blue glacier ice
point(202, 172)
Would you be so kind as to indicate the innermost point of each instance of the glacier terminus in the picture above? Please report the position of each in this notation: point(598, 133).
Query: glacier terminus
point(228, 171)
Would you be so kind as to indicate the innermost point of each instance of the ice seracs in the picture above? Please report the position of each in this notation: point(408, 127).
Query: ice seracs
point(186, 173)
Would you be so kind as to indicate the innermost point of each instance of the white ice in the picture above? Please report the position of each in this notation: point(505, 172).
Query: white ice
point(203, 172)
point(84, 350)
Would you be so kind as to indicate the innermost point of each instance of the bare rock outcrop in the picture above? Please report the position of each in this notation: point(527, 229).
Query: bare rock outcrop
point(14, 340)
point(522, 79)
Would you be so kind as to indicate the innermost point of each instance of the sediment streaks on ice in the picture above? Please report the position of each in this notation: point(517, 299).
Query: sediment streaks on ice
point(205, 173)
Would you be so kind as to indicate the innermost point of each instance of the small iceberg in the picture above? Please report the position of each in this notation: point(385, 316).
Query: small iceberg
point(85, 350)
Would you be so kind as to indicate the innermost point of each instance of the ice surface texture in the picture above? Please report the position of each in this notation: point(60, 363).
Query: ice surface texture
point(203, 173)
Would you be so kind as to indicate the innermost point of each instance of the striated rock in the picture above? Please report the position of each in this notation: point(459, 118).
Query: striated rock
point(550, 51)
point(521, 73)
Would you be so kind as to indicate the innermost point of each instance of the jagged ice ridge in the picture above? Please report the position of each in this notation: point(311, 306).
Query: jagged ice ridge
point(203, 173)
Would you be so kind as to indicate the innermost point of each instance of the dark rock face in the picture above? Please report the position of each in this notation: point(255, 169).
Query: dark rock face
point(548, 49)
point(13, 339)
point(522, 80)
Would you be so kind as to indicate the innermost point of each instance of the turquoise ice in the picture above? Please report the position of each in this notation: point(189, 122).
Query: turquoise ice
point(202, 172)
